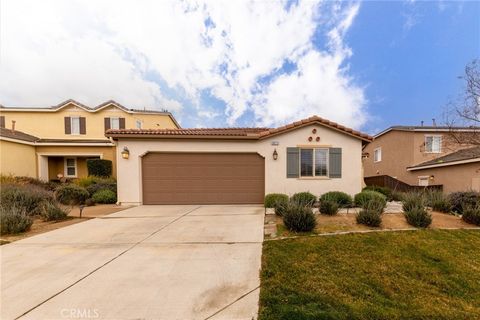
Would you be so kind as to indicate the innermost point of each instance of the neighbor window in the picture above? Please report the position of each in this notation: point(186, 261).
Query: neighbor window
point(139, 124)
point(433, 144)
point(114, 123)
point(377, 155)
point(70, 167)
point(313, 162)
point(75, 125)
point(423, 181)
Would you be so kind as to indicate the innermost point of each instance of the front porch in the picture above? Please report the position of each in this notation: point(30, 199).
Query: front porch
point(69, 166)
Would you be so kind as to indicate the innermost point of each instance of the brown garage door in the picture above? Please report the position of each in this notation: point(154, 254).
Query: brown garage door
point(203, 178)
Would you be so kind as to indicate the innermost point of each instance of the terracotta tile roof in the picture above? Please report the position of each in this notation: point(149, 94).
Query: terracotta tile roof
point(17, 135)
point(250, 133)
point(461, 155)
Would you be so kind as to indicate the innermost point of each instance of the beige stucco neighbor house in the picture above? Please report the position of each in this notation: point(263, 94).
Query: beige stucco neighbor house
point(237, 165)
point(424, 155)
point(47, 143)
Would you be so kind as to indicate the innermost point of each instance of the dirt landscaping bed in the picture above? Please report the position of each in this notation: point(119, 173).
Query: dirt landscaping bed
point(390, 221)
point(39, 226)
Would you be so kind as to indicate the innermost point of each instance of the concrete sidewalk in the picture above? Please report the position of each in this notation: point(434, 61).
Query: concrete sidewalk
point(148, 262)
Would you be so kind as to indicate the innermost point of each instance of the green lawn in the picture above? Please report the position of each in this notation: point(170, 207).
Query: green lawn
point(426, 274)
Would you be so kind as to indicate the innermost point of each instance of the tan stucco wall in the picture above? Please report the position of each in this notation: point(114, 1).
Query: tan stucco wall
point(107, 153)
point(50, 125)
point(17, 159)
point(402, 149)
point(453, 178)
point(129, 171)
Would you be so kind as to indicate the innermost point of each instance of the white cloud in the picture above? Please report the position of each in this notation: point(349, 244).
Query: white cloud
point(97, 50)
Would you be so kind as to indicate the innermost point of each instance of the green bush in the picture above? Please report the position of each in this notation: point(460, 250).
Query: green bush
point(94, 188)
point(413, 200)
point(328, 207)
point(471, 214)
point(418, 217)
point(104, 196)
point(52, 212)
point(363, 198)
point(11, 179)
point(463, 199)
point(89, 202)
point(299, 218)
point(278, 201)
point(438, 201)
point(99, 167)
point(369, 217)
point(397, 195)
point(304, 199)
point(30, 197)
point(71, 194)
point(340, 198)
point(387, 192)
point(14, 219)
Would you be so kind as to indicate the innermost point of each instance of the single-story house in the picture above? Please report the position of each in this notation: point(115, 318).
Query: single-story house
point(237, 165)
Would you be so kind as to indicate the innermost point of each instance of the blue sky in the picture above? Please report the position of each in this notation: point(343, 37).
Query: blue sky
point(409, 56)
point(368, 64)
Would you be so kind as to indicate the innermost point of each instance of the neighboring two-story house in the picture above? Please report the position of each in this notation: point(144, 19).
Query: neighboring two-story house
point(55, 142)
point(424, 155)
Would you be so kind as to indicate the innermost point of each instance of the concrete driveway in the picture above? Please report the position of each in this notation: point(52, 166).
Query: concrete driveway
point(148, 262)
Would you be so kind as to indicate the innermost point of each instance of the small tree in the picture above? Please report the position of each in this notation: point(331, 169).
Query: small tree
point(99, 167)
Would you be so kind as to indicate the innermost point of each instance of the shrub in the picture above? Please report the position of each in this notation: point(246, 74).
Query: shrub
point(99, 167)
point(340, 198)
point(11, 179)
point(471, 214)
point(397, 195)
point(460, 200)
point(89, 202)
point(26, 196)
point(104, 196)
point(52, 212)
point(272, 198)
point(413, 200)
point(304, 199)
point(328, 207)
point(368, 217)
point(387, 192)
point(363, 198)
point(438, 201)
point(14, 219)
point(94, 188)
point(299, 218)
point(71, 194)
point(418, 217)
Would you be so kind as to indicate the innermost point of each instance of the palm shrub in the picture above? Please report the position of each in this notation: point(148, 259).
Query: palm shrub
point(363, 198)
point(413, 200)
point(471, 214)
point(340, 198)
point(371, 214)
point(299, 218)
point(438, 201)
point(71, 194)
point(104, 196)
point(463, 199)
point(278, 201)
point(14, 219)
point(328, 207)
point(418, 217)
point(304, 199)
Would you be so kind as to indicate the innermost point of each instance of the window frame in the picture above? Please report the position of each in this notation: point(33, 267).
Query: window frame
point(138, 124)
point(433, 136)
point(117, 119)
point(379, 149)
point(65, 165)
point(72, 119)
point(423, 178)
point(313, 162)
